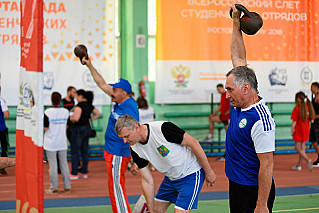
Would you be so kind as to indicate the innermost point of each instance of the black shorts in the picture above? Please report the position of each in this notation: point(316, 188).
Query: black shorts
point(243, 199)
point(314, 132)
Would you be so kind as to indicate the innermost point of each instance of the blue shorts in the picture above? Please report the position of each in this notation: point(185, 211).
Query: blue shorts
point(183, 192)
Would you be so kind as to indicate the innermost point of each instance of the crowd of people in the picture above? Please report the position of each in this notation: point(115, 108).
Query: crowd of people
point(132, 136)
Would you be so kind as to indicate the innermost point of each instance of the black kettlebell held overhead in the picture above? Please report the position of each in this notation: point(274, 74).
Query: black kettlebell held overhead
point(250, 22)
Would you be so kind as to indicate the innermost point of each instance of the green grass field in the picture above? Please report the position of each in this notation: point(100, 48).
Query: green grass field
point(297, 203)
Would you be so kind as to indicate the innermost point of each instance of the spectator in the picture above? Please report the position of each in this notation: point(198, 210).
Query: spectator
point(314, 130)
point(174, 153)
point(4, 138)
point(80, 133)
point(301, 115)
point(55, 143)
point(146, 112)
point(250, 138)
point(68, 100)
point(117, 153)
point(223, 117)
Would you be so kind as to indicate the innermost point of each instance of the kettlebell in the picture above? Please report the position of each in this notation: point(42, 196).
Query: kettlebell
point(250, 22)
point(80, 51)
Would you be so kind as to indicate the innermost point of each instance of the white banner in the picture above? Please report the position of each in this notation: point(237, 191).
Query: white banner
point(66, 24)
point(194, 81)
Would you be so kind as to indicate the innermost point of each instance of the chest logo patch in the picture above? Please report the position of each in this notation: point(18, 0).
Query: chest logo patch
point(242, 123)
point(163, 150)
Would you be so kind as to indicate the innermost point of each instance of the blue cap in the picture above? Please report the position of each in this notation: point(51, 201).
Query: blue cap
point(124, 85)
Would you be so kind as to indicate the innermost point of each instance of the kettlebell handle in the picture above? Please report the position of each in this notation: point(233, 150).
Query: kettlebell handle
point(241, 8)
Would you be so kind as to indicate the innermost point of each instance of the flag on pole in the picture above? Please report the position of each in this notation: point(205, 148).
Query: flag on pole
point(29, 133)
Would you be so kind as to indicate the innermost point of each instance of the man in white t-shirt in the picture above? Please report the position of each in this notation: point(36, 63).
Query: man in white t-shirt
point(55, 143)
point(172, 152)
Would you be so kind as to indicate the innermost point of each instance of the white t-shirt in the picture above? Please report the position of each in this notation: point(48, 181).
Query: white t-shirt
point(164, 151)
point(3, 105)
point(55, 136)
point(146, 115)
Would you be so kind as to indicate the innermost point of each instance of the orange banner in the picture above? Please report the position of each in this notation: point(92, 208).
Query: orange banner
point(201, 30)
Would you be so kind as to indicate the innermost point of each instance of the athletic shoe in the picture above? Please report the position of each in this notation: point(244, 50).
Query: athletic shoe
point(2, 171)
point(208, 139)
point(51, 191)
point(74, 177)
point(310, 165)
point(67, 190)
point(296, 168)
point(316, 163)
point(81, 175)
point(221, 158)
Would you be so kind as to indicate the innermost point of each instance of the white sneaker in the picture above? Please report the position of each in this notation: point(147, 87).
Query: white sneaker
point(208, 139)
point(296, 168)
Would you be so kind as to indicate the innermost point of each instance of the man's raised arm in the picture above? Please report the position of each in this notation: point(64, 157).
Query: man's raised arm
point(98, 78)
point(237, 46)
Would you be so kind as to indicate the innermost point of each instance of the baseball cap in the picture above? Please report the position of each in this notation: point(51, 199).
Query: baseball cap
point(124, 85)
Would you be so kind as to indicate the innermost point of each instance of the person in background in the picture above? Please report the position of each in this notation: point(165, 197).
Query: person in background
point(146, 112)
point(301, 115)
point(4, 137)
point(117, 153)
point(175, 154)
point(223, 117)
point(68, 103)
point(314, 130)
point(133, 95)
point(250, 138)
point(68, 100)
point(55, 143)
point(80, 133)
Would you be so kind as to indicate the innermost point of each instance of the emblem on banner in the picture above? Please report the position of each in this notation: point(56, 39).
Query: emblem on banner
point(278, 77)
point(88, 80)
point(26, 96)
point(181, 73)
point(306, 76)
point(48, 80)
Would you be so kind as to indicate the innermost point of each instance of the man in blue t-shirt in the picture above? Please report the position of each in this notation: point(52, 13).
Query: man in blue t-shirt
point(4, 114)
point(117, 153)
point(250, 139)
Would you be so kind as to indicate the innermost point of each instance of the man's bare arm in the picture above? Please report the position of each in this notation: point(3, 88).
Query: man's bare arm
point(97, 77)
point(237, 45)
point(7, 162)
point(148, 187)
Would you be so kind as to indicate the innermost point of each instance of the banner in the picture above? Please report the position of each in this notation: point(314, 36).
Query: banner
point(193, 48)
point(66, 24)
point(29, 133)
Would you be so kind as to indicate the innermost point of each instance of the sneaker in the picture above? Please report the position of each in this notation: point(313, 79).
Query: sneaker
point(296, 168)
point(67, 190)
point(316, 163)
point(208, 139)
point(310, 165)
point(221, 158)
point(74, 177)
point(81, 175)
point(2, 171)
point(51, 191)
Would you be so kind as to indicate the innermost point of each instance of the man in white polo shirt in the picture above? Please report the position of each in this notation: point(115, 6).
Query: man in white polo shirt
point(172, 152)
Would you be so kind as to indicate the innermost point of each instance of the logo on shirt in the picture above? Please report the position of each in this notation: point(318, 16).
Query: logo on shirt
point(163, 150)
point(242, 123)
